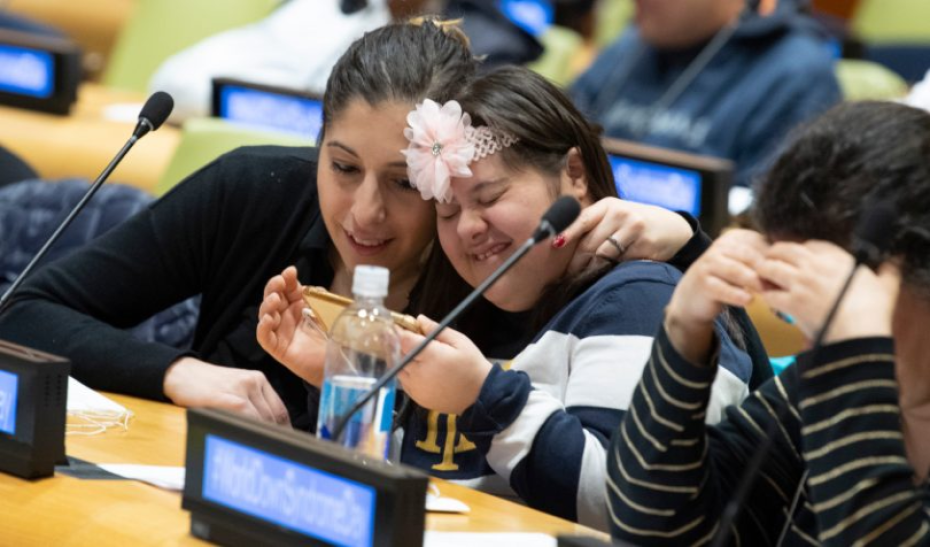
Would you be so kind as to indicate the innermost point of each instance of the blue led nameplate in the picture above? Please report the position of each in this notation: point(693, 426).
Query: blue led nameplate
point(9, 390)
point(655, 184)
point(301, 116)
point(286, 493)
point(533, 16)
point(26, 71)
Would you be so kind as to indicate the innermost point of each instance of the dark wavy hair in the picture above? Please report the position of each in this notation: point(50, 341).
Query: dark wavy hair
point(841, 163)
point(519, 102)
point(407, 62)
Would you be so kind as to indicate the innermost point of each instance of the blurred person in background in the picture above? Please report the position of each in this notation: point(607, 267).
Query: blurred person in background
point(772, 73)
point(297, 45)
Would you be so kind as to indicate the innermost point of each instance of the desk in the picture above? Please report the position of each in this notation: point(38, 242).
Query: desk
point(64, 511)
point(83, 143)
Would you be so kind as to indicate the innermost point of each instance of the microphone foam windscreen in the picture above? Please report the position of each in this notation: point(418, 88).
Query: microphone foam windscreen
point(876, 225)
point(875, 230)
point(562, 213)
point(157, 109)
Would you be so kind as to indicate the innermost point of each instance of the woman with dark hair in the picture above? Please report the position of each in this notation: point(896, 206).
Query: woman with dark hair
point(538, 425)
point(228, 228)
point(851, 448)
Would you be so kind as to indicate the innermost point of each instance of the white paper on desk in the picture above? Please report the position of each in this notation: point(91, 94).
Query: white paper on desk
point(500, 539)
point(83, 399)
point(92, 412)
point(162, 476)
point(440, 504)
point(122, 112)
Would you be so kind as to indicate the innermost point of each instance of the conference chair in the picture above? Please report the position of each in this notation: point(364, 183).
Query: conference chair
point(893, 21)
point(866, 80)
point(897, 34)
point(205, 139)
point(611, 19)
point(560, 46)
point(157, 29)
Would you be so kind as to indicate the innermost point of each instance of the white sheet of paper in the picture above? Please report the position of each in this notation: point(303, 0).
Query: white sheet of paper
point(83, 399)
point(439, 504)
point(470, 539)
point(122, 112)
point(162, 476)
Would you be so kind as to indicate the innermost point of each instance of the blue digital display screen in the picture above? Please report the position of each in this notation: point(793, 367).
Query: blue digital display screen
point(656, 184)
point(9, 389)
point(302, 116)
point(26, 71)
point(533, 16)
point(288, 494)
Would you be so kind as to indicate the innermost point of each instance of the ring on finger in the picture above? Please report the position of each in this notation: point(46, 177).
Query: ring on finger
point(620, 248)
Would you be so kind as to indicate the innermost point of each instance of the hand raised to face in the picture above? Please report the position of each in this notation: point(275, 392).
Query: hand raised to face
point(804, 279)
point(725, 275)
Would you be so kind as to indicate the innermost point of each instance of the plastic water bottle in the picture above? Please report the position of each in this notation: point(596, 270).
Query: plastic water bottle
point(363, 345)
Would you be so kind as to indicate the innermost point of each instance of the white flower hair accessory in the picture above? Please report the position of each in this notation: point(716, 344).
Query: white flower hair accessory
point(443, 144)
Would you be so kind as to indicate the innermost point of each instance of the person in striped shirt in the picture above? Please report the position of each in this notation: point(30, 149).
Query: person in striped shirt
point(851, 423)
point(536, 427)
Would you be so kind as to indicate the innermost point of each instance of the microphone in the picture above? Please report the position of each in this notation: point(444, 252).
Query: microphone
point(153, 115)
point(556, 219)
point(872, 236)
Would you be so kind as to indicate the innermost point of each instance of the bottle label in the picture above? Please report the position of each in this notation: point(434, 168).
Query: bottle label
point(369, 429)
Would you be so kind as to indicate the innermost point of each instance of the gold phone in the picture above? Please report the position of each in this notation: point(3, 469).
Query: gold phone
point(326, 306)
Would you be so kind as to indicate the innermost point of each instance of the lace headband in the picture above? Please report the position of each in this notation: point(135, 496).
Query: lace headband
point(443, 144)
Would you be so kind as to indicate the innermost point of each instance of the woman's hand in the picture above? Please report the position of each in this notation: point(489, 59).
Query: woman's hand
point(282, 333)
point(193, 383)
point(804, 279)
point(725, 275)
point(447, 376)
point(637, 232)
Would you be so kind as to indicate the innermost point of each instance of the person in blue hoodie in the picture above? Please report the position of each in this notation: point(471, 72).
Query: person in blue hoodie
point(770, 74)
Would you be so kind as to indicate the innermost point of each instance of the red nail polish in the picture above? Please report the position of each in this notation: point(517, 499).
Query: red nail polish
point(559, 241)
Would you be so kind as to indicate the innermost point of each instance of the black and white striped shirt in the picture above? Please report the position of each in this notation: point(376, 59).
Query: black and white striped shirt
point(670, 475)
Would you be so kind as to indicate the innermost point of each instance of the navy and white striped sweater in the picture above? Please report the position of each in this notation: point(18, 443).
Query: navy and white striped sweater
point(541, 425)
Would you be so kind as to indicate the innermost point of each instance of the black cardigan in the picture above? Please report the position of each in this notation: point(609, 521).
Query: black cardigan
point(221, 233)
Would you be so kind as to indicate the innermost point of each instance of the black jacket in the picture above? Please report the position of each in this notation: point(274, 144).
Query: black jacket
point(221, 233)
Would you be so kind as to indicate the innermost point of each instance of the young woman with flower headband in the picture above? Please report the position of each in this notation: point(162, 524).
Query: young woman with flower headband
point(606, 232)
point(492, 162)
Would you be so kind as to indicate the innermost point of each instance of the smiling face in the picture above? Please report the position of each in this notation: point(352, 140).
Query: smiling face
point(371, 212)
point(491, 214)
